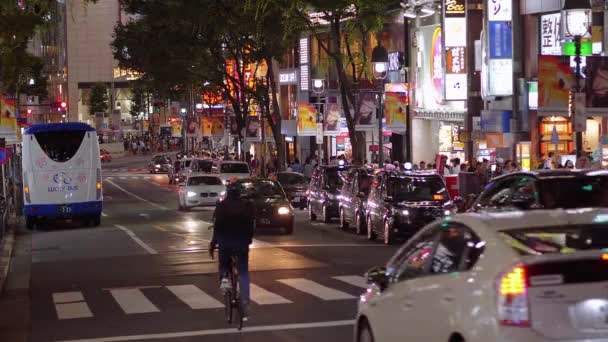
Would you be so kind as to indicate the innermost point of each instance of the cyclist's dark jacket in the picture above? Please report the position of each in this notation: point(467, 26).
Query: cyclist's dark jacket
point(234, 222)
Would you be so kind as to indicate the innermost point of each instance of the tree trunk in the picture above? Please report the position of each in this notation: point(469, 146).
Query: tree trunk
point(278, 118)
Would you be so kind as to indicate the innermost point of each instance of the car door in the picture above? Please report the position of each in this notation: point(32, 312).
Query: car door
point(445, 294)
point(392, 314)
point(373, 201)
point(382, 206)
point(314, 191)
point(349, 195)
point(496, 195)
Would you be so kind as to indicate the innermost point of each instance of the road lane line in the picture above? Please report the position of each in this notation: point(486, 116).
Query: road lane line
point(355, 280)
point(137, 239)
point(133, 301)
point(122, 178)
point(104, 214)
point(71, 305)
point(262, 296)
point(194, 297)
point(246, 329)
point(135, 178)
point(315, 289)
point(136, 196)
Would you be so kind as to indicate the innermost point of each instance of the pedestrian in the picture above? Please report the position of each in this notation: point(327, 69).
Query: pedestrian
point(472, 166)
point(295, 166)
point(422, 165)
point(455, 166)
point(308, 168)
point(569, 164)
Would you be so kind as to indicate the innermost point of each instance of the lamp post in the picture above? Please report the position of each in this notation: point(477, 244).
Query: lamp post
point(576, 19)
point(380, 68)
point(318, 87)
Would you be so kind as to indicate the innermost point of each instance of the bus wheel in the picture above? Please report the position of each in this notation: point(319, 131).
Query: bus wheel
point(30, 223)
point(95, 220)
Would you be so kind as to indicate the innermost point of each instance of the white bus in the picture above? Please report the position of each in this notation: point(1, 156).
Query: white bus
point(61, 173)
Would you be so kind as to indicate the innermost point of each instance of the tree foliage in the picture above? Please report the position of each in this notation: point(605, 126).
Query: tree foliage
point(98, 99)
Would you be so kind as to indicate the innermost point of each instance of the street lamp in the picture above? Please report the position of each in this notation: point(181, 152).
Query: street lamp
point(318, 87)
point(576, 19)
point(380, 66)
point(199, 106)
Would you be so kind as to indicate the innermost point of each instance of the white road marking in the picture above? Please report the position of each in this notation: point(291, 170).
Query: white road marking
point(134, 177)
point(71, 305)
point(137, 197)
point(144, 215)
point(315, 289)
point(122, 178)
point(133, 301)
point(194, 297)
point(137, 239)
point(109, 178)
point(354, 280)
point(264, 297)
point(246, 329)
point(104, 214)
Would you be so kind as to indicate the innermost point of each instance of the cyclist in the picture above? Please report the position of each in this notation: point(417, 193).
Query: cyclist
point(234, 224)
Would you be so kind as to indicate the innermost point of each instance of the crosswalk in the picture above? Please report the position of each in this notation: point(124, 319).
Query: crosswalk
point(125, 169)
point(133, 300)
point(130, 178)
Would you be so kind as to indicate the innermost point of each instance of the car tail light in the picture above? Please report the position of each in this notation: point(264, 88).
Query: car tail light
point(98, 184)
point(26, 188)
point(605, 256)
point(513, 298)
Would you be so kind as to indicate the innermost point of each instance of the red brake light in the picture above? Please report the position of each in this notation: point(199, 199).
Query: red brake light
point(437, 197)
point(605, 256)
point(513, 298)
point(514, 282)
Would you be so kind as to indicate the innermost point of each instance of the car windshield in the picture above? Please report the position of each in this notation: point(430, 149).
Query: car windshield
point(287, 179)
point(417, 189)
point(261, 188)
point(234, 168)
point(187, 163)
point(564, 239)
point(204, 166)
point(333, 178)
point(204, 180)
point(574, 192)
point(160, 159)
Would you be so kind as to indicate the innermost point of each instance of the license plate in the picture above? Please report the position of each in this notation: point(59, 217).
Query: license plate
point(65, 209)
point(264, 221)
point(296, 199)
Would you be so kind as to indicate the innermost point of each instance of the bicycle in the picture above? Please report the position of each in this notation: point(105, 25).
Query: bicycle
point(232, 296)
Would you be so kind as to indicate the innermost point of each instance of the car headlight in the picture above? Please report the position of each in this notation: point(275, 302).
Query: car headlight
point(157, 166)
point(191, 194)
point(404, 212)
point(284, 210)
point(447, 212)
point(225, 181)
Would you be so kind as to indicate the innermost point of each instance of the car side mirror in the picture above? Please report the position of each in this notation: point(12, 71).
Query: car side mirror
point(522, 201)
point(377, 276)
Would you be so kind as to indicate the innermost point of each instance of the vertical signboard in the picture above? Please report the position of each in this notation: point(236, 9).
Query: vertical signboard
point(455, 38)
point(550, 38)
point(304, 68)
point(500, 48)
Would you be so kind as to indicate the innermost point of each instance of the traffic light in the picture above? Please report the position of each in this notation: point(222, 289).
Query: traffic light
point(29, 112)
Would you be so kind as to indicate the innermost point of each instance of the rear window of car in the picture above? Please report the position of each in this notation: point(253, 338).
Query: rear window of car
point(564, 239)
point(205, 166)
point(234, 168)
point(576, 192)
point(334, 178)
point(204, 180)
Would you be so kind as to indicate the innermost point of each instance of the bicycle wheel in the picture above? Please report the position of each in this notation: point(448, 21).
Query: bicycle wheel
point(228, 306)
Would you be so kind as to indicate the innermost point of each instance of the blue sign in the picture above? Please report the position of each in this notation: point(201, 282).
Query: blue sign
point(495, 121)
point(501, 39)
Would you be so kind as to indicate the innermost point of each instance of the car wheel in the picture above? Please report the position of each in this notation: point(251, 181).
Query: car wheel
point(359, 224)
point(343, 223)
point(371, 235)
point(30, 223)
point(96, 221)
point(365, 333)
point(311, 214)
point(289, 229)
point(388, 239)
point(186, 208)
point(326, 217)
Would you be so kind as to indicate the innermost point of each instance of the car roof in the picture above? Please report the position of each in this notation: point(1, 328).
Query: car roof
point(289, 173)
point(534, 218)
point(200, 174)
point(232, 162)
point(559, 173)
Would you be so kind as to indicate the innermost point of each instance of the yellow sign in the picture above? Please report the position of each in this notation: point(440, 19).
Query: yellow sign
point(395, 111)
point(307, 119)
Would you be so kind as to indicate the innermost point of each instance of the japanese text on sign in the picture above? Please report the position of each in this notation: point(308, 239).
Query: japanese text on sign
point(550, 34)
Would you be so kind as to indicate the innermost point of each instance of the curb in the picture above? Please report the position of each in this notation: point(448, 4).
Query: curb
point(6, 250)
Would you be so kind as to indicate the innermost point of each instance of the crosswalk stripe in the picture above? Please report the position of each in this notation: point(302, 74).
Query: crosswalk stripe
point(262, 296)
point(70, 305)
point(135, 177)
point(194, 297)
point(315, 289)
point(133, 301)
point(354, 280)
point(122, 178)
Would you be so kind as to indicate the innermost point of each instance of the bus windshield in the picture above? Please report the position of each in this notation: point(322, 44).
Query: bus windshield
point(60, 146)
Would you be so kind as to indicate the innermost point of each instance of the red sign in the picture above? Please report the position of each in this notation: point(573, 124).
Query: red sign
point(373, 148)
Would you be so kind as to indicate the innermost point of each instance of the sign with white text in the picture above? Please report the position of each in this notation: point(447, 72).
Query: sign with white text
point(550, 34)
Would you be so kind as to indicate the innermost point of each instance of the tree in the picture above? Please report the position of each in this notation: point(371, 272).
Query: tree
point(98, 100)
point(342, 29)
point(139, 96)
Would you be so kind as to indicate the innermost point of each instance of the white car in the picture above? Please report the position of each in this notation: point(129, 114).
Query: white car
point(230, 170)
point(200, 190)
point(519, 276)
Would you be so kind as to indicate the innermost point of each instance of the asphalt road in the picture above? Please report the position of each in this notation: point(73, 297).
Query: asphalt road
point(145, 273)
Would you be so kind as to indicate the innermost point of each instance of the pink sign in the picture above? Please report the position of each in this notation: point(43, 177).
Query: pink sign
point(437, 65)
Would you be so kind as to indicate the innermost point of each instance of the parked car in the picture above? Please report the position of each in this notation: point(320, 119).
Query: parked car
point(231, 170)
point(200, 190)
point(401, 203)
point(353, 198)
point(325, 185)
point(272, 208)
point(159, 164)
point(529, 276)
point(545, 189)
point(295, 186)
point(105, 156)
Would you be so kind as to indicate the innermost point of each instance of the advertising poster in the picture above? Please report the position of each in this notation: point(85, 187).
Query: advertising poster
point(555, 80)
point(252, 131)
point(307, 120)
point(212, 126)
point(597, 84)
point(332, 119)
point(366, 117)
point(176, 129)
point(436, 65)
point(145, 125)
point(191, 131)
point(395, 111)
point(7, 111)
point(269, 135)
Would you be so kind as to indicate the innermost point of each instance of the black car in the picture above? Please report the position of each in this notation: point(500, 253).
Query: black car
point(544, 189)
point(272, 208)
point(401, 203)
point(295, 186)
point(325, 185)
point(160, 164)
point(353, 198)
